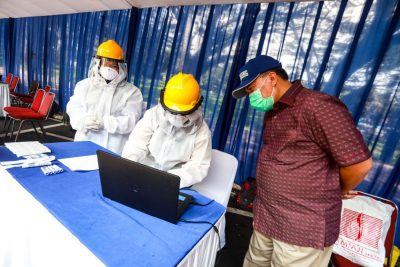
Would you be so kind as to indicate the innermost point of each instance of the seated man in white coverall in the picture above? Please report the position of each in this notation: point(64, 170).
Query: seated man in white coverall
point(173, 136)
point(105, 107)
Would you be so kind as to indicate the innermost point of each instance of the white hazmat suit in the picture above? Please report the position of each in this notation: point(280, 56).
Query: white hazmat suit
point(184, 151)
point(112, 108)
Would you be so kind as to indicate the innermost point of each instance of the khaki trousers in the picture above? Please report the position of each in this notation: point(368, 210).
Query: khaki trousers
point(265, 251)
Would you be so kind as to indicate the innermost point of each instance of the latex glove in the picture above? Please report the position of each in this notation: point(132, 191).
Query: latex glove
point(91, 123)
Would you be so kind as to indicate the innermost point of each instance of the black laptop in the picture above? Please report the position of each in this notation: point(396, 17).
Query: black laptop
point(141, 187)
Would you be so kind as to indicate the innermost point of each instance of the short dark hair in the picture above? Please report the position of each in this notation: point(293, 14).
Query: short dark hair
point(280, 72)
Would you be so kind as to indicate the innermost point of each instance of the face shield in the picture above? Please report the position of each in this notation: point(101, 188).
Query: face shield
point(179, 120)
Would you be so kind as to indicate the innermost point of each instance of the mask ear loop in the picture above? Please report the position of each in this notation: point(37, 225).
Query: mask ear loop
point(273, 93)
point(259, 88)
point(273, 90)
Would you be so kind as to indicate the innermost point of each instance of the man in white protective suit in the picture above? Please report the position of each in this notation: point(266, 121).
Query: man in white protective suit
point(105, 107)
point(173, 136)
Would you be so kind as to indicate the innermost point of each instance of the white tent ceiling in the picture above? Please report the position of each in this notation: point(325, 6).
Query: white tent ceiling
point(33, 8)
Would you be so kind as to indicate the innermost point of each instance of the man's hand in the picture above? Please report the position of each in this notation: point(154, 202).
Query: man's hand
point(349, 194)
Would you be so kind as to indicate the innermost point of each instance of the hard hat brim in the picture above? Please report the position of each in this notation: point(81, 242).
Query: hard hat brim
point(111, 59)
point(179, 110)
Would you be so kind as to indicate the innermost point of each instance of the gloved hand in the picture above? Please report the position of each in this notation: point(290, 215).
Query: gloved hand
point(93, 124)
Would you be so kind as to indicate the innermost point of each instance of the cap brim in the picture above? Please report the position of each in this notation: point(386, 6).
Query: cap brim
point(239, 93)
point(241, 90)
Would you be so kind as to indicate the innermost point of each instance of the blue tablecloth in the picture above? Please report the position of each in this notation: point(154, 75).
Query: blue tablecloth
point(116, 234)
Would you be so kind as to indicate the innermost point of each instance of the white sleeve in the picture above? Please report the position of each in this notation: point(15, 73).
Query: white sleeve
point(136, 148)
point(125, 121)
point(75, 108)
point(196, 169)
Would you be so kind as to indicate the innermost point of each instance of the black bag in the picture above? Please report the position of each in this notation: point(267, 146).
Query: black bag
point(246, 195)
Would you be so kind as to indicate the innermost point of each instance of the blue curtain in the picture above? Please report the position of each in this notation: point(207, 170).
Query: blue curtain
point(4, 56)
point(349, 49)
point(346, 48)
point(193, 39)
point(212, 42)
point(57, 50)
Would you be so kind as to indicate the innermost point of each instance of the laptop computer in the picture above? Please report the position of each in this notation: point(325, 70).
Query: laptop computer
point(141, 187)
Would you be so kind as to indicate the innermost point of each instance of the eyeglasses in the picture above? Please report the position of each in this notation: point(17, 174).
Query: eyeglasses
point(108, 63)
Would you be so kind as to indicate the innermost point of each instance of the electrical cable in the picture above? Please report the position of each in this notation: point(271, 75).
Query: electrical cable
point(199, 204)
point(214, 228)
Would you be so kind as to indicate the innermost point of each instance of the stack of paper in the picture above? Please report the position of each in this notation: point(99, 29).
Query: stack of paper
point(84, 163)
point(27, 148)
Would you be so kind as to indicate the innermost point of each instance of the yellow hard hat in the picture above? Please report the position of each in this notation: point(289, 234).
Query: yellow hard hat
point(110, 49)
point(181, 95)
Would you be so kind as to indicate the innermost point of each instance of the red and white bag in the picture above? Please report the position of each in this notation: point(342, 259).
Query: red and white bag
point(363, 228)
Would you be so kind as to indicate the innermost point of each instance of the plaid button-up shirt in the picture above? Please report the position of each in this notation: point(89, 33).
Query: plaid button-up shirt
point(308, 136)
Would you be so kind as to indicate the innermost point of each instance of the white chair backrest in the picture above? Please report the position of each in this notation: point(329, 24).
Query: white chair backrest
point(218, 183)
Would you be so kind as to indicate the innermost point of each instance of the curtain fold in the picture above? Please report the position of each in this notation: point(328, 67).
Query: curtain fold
point(220, 135)
point(4, 50)
point(327, 54)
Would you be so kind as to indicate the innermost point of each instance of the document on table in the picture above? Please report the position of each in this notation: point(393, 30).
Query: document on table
point(27, 148)
point(84, 163)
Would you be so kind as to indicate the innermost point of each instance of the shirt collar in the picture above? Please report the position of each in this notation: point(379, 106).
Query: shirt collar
point(290, 95)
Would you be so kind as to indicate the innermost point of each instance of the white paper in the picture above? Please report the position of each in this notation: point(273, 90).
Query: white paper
point(27, 148)
point(85, 163)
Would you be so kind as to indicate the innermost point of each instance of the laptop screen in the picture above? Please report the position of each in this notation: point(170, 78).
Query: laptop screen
point(141, 187)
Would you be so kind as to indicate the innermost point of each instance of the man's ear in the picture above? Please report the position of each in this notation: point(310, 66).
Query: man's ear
point(273, 77)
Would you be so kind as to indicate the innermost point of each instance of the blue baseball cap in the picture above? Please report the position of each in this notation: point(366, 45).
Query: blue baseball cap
point(251, 70)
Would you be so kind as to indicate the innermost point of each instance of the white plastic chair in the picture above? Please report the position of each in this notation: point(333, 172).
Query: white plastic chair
point(218, 183)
